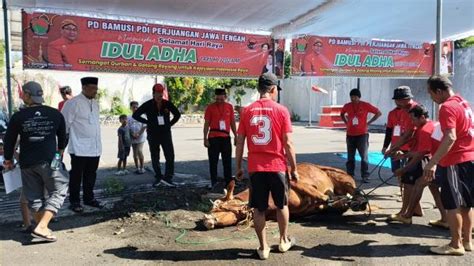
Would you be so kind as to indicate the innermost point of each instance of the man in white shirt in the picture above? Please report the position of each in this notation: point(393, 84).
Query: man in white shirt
point(82, 124)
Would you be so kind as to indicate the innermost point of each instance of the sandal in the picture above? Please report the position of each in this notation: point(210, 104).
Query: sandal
point(48, 238)
point(76, 208)
point(439, 223)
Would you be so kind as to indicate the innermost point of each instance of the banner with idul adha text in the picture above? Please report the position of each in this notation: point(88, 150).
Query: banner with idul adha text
point(343, 56)
point(75, 43)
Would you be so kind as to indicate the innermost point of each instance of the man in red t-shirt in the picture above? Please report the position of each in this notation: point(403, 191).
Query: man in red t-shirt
point(266, 126)
point(63, 51)
point(310, 63)
point(219, 120)
point(398, 134)
point(354, 115)
point(399, 124)
point(66, 94)
point(419, 154)
point(455, 156)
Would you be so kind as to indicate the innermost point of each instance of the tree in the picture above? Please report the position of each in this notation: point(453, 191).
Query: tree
point(117, 108)
point(199, 91)
point(287, 65)
point(238, 94)
point(185, 91)
point(464, 43)
point(2, 57)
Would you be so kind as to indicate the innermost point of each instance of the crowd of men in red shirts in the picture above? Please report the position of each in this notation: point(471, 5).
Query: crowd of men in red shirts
point(423, 153)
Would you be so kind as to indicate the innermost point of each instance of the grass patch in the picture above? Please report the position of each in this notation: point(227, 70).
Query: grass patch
point(113, 186)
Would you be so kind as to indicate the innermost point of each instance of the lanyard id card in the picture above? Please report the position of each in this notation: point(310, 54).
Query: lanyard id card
point(222, 125)
point(161, 120)
point(397, 131)
point(355, 121)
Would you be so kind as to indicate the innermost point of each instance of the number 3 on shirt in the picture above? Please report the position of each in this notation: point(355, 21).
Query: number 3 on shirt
point(470, 116)
point(264, 125)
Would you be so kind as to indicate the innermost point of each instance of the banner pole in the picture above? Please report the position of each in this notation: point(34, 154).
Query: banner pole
point(273, 57)
point(310, 102)
point(7, 57)
point(439, 31)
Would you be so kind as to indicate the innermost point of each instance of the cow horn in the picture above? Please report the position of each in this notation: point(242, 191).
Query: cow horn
point(214, 203)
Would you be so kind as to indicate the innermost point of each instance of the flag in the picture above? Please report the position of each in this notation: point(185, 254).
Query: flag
point(20, 91)
point(316, 88)
point(5, 97)
point(165, 93)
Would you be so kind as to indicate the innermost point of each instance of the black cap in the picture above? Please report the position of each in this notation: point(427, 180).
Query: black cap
point(65, 90)
point(89, 81)
point(34, 89)
point(402, 92)
point(220, 91)
point(355, 92)
point(268, 79)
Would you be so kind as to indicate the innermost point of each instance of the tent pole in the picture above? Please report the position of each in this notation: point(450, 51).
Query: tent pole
point(279, 95)
point(310, 103)
point(273, 57)
point(7, 57)
point(439, 31)
point(273, 65)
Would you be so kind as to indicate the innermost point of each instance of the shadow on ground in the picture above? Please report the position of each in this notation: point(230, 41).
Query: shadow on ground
point(191, 199)
point(364, 249)
point(356, 223)
point(174, 255)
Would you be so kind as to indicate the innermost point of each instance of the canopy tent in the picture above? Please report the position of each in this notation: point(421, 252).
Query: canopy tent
point(408, 20)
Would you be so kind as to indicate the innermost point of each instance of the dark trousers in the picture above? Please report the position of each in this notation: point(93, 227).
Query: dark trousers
point(397, 164)
point(361, 144)
point(164, 141)
point(83, 169)
point(221, 146)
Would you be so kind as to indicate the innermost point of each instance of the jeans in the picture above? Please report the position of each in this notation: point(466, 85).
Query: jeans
point(361, 144)
point(223, 146)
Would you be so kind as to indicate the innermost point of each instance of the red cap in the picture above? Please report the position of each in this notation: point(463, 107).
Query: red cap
point(158, 88)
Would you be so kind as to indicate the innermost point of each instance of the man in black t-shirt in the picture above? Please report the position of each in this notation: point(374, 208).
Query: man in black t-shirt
point(158, 112)
point(42, 134)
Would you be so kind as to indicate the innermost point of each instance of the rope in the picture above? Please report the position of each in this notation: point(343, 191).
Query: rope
point(179, 239)
point(247, 221)
point(379, 167)
point(366, 195)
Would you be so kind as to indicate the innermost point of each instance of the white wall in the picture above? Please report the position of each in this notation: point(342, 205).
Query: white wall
point(127, 86)
point(463, 80)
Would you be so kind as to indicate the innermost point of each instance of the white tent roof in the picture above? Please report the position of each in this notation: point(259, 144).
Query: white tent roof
point(408, 20)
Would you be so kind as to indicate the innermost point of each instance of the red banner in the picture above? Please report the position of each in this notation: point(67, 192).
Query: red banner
point(341, 56)
point(53, 41)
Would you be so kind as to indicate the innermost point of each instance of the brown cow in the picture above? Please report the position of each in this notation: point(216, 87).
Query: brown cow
point(309, 195)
